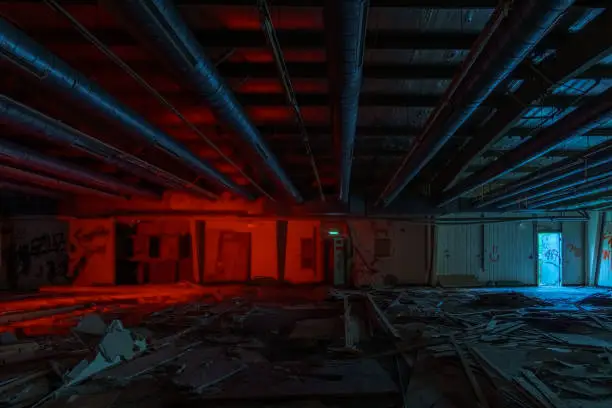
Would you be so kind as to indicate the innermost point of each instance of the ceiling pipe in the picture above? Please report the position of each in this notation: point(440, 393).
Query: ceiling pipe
point(570, 182)
point(14, 174)
point(345, 26)
point(159, 24)
point(584, 49)
point(512, 32)
point(594, 157)
point(28, 190)
point(29, 120)
point(586, 117)
point(51, 71)
point(22, 157)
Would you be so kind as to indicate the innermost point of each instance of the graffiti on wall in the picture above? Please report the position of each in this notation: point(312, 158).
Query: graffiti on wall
point(494, 254)
point(86, 243)
point(43, 257)
point(36, 253)
point(574, 250)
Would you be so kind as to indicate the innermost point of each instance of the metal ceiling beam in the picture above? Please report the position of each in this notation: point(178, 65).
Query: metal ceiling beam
point(587, 48)
point(396, 99)
point(596, 156)
point(597, 187)
point(583, 119)
point(318, 70)
point(303, 39)
point(512, 32)
point(588, 177)
point(440, 4)
point(160, 26)
point(390, 131)
point(50, 71)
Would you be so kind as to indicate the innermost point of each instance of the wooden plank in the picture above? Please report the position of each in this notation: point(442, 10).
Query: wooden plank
point(470, 375)
point(543, 388)
point(382, 318)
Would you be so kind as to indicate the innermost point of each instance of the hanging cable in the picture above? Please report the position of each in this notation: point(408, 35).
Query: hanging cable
point(268, 28)
point(113, 57)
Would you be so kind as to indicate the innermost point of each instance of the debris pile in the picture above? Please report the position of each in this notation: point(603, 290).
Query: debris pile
point(398, 347)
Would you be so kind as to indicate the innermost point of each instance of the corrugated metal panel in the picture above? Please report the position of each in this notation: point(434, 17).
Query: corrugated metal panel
point(509, 252)
point(458, 250)
point(605, 262)
point(573, 253)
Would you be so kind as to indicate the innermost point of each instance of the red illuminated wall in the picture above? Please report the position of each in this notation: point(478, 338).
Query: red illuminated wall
point(92, 252)
point(295, 272)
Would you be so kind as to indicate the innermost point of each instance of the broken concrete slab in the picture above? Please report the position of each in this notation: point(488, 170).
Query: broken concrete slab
point(91, 324)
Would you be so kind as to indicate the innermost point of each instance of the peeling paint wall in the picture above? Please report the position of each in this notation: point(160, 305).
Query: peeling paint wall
point(396, 250)
point(92, 252)
point(303, 262)
point(253, 242)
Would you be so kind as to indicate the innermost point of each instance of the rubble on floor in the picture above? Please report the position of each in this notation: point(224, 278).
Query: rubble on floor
point(407, 347)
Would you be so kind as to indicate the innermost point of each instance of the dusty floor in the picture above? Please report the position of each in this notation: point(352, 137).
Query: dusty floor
point(162, 346)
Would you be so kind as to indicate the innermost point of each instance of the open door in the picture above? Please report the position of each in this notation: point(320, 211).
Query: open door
point(549, 259)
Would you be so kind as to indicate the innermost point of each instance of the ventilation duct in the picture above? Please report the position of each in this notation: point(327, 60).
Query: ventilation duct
point(345, 24)
point(24, 158)
point(14, 174)
point(159, 25)
point(54, 73)
point(32, 121)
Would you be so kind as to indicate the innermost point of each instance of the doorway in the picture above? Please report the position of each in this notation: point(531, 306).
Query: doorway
point(549, 259)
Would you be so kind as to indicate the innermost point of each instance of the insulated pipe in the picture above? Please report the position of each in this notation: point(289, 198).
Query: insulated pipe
point(29, 190)
point(159, 24)
point(14, 174)
point(514, 29)
point(51, 71)
point(18, 156)
point(29, 120)
point(588, 116)
point(595, 157)
point(345, 23)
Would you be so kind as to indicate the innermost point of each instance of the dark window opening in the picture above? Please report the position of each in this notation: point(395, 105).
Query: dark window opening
point(154, 246)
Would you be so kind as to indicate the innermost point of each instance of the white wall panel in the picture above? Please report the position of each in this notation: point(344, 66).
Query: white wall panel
point(605, 261)
point(573, 253)
point(509, 252)
point(459, 250)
